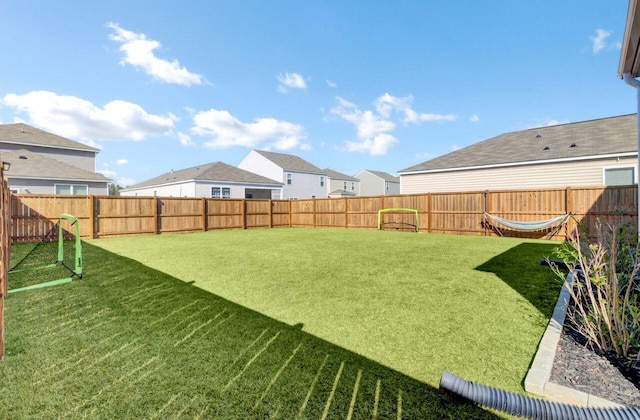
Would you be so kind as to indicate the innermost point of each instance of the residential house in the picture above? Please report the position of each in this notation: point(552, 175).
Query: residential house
point(300, 178)
point(214, 180)
point(596, 152)
point(378, 183)
point(341, 185)
point(45, 163)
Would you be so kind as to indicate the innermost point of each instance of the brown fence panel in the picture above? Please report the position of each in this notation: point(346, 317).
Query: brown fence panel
point(607, 204)
point(224, 213)
point(34, 216)
point(257, 213)
point(118, 216)
point(280, 212)
point(180, 214)
point(459, 213)
point(331, 212)
point(362, 212)
point(303, 213)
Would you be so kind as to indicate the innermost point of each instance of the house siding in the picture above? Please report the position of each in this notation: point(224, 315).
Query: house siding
point(338, 184)
point(258, 164)
point(550, 175)
point(371, 184)
point(200, 189)
point(33, 186)
point(303, 185)
point(81, 159)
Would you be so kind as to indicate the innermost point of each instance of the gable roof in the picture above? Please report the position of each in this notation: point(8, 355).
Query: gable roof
point(30, 165)
point(338, 175)
point(215, 171)
point(580, 140)
point(24, 134)
point(384, 175)
point(290, 162)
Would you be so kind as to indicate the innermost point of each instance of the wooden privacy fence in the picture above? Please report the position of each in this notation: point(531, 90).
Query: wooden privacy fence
point(5, 250)
point(458, 212)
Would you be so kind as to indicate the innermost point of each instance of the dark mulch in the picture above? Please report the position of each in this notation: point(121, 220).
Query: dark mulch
point(578, 367)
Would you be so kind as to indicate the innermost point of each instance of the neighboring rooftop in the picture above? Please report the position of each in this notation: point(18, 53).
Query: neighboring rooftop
point(290, 162)
point(216, 171)
point(606, 136)
point(26, 164)
point(384, 175)
point(24, 134)
point(338, 175)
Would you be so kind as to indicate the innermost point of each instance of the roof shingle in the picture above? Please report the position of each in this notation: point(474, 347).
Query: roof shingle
point(20, 133)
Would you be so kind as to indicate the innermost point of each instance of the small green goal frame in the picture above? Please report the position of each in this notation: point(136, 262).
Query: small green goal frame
point(390, 210)
point(76, 270)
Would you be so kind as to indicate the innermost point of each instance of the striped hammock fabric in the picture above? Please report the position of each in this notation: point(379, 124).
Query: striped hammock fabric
point(529, 226)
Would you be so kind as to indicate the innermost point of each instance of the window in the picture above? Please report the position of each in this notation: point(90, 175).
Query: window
point(619, 176)
point(353, 186)
point(386, 185)
point(288, 179)
point(344, 185)
point(71, 189)
point(215, 192)
point(322, 181)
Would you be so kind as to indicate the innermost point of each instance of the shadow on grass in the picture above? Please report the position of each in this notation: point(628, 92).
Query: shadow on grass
point(129, 341)
point(520, 268)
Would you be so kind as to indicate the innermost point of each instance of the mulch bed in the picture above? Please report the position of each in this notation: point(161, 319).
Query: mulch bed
point(578, 367)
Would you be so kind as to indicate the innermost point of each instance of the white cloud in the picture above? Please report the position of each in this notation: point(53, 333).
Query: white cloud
point(331, 84)
point(139, 52)
point(185, 139)
point(455, 147)
point(227, 131)
point(122, 161)
point(108, 173)
point(376, 146)
point(81, 120)
point(546, 122)
point(474, 118)
point(290, 81)
point(600, 40)
point(386, 103)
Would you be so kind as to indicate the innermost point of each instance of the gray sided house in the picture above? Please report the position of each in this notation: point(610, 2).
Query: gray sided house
point(341, 185)
point(588, 153)
point(300, 179)
point(44, 163)
point(212, 180)
point(378, 183)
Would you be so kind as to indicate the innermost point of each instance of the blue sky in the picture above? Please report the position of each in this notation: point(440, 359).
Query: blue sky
point(349, 85)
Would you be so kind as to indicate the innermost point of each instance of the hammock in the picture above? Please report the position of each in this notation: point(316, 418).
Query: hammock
point(554, 224)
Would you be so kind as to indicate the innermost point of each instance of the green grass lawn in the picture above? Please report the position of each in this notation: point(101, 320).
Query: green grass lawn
point(306, 323)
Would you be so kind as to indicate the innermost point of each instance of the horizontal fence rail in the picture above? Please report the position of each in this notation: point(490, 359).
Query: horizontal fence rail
point(33, 216)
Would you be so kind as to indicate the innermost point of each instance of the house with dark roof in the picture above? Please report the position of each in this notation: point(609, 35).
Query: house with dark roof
point(45, 163)
point(212, 180)
point(378, 183)
point(341, 185)
point(300, 178)
point(588, 153)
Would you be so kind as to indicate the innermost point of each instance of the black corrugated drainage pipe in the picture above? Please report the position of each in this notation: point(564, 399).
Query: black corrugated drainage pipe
point(527, 407)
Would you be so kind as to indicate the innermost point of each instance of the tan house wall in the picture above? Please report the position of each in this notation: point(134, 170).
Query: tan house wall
point(574, 173)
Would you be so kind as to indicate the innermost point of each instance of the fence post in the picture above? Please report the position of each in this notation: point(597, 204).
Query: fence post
point(346, 213)
point(156, 217)
point(92, 217)
point(289, 212)
point(485, 210)
point(568, 208)
point(314, 212)
point(204, 214)
point(270, 213)
point(244, 214)
point(429, 211)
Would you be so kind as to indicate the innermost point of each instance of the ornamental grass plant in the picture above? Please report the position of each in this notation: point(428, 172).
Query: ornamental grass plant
point(605, 307)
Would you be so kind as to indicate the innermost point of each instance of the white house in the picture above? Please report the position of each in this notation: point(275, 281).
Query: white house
point(212, 180)
point(44, 163)
point(378, 183)
point(341, 185)
point(300, 178)
point(587, 153)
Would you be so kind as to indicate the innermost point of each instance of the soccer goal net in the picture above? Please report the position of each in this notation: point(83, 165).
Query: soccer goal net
point(398, 219)
point(55, 259)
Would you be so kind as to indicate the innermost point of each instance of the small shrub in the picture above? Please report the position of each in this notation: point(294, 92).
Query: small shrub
point(605, 307)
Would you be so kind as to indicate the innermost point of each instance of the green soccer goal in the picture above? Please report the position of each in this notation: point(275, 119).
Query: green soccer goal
point(398, 218)
point(57, 255)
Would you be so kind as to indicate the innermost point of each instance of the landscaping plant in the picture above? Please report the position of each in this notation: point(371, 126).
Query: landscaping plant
point(605, 308)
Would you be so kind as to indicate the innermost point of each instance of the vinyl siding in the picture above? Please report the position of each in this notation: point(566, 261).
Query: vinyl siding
point(30, 186)
point(258, 164)
point(565, 174)
point(303, 185)
point(338, 184)
point(81, 159)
